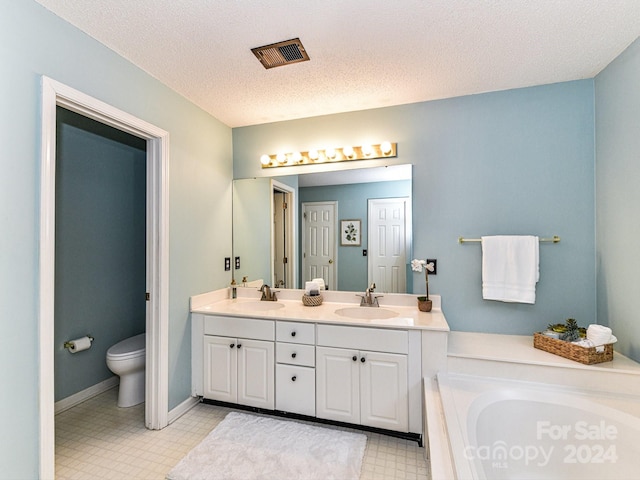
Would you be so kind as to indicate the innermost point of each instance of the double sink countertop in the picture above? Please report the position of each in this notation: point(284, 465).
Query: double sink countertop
point(338, 308)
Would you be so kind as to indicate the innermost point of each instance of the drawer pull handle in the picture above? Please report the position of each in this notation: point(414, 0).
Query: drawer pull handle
point(239, 345)
point(293, 334)
point(354, 358)
point(232, 345)
point(362, 359)
point(293, 355)
point(293, 379)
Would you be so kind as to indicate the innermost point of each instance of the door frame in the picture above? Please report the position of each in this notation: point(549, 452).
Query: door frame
point(291, 250)
point(56, 94)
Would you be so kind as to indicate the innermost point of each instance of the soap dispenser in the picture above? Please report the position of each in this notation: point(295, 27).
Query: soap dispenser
point(234, 290)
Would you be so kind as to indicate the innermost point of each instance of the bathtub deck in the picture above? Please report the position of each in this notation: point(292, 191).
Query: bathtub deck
point(513, 356)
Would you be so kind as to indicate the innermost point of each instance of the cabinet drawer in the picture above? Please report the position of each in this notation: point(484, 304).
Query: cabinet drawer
point(296, 354)
point(363, 338)
point(296, 389)
point(296, 332)
point(239, 327)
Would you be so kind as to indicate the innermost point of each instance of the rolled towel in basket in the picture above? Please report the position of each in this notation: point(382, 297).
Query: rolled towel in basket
point(599, 334)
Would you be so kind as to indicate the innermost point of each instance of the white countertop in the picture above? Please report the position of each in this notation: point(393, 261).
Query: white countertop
point(405, 305)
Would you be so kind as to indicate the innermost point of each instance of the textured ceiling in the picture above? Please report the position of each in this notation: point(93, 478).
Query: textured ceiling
point(364, 53)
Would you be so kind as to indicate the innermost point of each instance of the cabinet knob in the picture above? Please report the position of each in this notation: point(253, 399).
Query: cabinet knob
point(354, 358)
point(293, 334)
point(362, 359)
point(293, 355)
point(239, 345)
point(232, 345)
point(293, 379)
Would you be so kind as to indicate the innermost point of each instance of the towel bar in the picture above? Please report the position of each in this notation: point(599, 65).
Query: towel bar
point(554, 239)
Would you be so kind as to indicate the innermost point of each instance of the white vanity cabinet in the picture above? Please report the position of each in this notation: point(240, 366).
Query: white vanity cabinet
point(295, 368)
point(238, 361)
point(368, 376)
point(363, 377)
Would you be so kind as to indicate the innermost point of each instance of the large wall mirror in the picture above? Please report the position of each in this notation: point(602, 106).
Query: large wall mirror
point(350, 227)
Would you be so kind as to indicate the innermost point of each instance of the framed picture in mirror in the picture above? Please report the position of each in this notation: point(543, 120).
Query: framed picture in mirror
point(350, 231)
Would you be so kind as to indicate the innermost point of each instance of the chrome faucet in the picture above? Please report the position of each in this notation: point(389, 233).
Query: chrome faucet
point(268, 295)
point(368, 299)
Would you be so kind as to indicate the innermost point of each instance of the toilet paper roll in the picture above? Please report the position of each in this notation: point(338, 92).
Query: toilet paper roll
point(80, 344)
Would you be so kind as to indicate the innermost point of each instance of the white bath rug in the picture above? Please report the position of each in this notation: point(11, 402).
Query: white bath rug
point(246, 447)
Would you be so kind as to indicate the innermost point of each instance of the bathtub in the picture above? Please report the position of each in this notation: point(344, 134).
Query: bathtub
point(504, 429)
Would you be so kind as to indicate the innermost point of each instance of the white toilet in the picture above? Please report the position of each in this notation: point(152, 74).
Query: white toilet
point(127, 359)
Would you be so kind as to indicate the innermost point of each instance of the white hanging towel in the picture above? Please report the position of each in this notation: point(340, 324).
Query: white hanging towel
point(510, 268)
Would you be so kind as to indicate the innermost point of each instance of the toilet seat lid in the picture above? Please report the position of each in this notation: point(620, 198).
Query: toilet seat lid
point(129, 347)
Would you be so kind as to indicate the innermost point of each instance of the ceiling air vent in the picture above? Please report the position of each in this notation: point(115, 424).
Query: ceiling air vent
point(281, 53)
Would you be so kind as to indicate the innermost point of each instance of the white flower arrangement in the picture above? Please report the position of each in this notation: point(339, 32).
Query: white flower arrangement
point(418, 266)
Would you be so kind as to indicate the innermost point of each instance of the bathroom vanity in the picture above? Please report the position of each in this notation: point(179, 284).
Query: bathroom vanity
point(336, 361)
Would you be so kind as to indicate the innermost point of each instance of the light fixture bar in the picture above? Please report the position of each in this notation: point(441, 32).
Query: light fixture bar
point(329, 155)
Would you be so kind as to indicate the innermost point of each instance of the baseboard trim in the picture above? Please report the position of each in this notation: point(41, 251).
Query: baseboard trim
point(86, 394)
point(182, 408)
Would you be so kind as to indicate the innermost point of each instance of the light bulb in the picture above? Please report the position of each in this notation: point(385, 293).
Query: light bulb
point(313, 154)
point(265, 159)
point(367, 150)
point(330, 153)
point(348, 152)
point(385, 147)
point(296, 157)
point(281, 158)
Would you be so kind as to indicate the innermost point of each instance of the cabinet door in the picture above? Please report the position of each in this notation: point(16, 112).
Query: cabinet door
point(256, 363)
point(383, 387)
point(337, 384)
point(220, 367)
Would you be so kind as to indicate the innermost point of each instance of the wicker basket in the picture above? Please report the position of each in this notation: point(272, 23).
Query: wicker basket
point(311, 301)
point(586, 355)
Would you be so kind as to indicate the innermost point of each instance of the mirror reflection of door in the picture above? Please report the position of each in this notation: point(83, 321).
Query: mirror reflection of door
point(319, 243)
point(388, 244)
point(283, 238)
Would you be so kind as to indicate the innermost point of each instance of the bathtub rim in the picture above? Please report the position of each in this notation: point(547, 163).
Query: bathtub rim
point(457, 427)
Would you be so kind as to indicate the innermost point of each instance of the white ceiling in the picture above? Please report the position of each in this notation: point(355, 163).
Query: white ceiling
point(364, 53)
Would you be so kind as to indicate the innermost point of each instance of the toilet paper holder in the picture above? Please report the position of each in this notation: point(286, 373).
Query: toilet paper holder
point(69, 344)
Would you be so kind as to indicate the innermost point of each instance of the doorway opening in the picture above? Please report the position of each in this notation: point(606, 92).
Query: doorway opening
point(284, 259)
point(56, 94)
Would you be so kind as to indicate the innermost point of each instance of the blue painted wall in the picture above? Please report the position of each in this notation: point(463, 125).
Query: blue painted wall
point(100, 246)
point(511, 162)
point(618, 197)
point(34, 42)
point(353, 203)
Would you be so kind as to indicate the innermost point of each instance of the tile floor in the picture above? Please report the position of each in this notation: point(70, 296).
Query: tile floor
point(98, 440)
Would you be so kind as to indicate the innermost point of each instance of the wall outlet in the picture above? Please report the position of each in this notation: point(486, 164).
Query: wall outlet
point(227, 264)
point(237, 263)
point(435, 265)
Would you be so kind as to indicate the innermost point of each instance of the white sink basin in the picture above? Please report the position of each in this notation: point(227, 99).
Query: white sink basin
point(257, 306)
point(367, 313)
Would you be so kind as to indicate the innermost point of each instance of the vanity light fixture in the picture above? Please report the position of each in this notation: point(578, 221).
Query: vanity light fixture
point(330, 154)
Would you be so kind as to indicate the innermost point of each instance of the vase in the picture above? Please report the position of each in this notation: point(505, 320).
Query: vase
point(424, 305)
